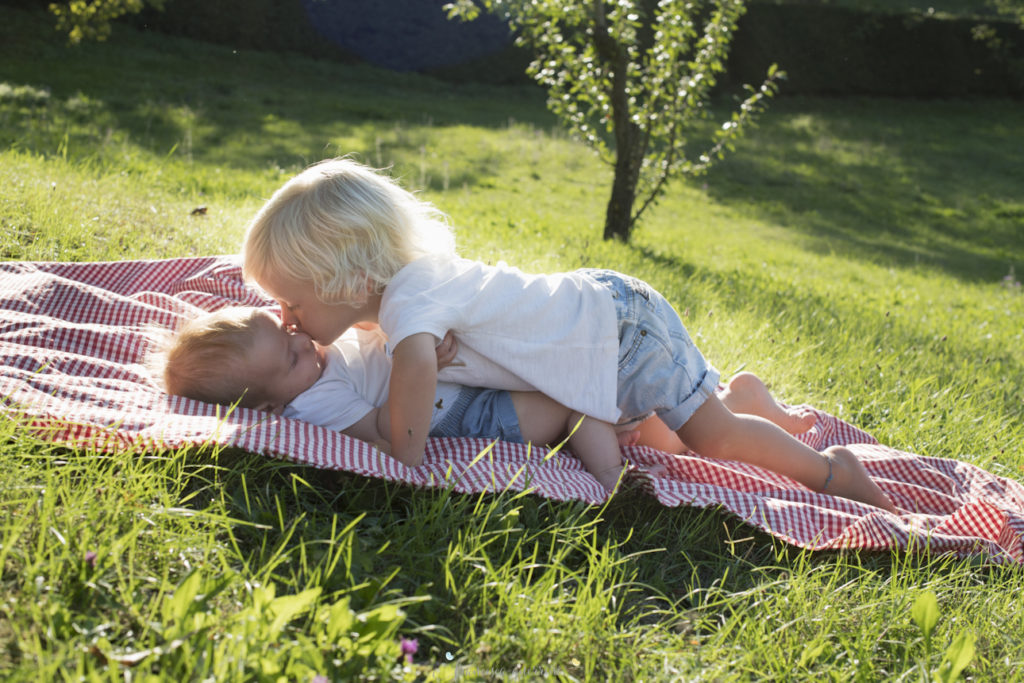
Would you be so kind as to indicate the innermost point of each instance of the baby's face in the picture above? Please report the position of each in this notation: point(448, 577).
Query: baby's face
point(289, 362)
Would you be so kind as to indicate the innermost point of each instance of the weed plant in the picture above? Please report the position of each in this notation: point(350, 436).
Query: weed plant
point(861, 255)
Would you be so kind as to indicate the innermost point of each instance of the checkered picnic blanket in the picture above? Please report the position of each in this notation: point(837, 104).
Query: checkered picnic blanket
point(73, 341)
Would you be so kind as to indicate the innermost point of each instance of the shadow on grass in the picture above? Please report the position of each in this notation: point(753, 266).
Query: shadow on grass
point(888, 181)
point(682, 560)
point(239, 109)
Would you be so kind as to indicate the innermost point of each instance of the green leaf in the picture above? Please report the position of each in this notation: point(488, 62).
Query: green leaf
point(287, 607)
point(958, 656)
point(340, 619)
point(812, 652)
point(926, 613)
point(177, 605)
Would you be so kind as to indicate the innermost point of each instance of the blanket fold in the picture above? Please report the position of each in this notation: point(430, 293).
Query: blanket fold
point(73, 345)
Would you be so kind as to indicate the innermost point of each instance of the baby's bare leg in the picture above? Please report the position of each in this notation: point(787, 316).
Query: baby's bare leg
point(716, 432)
point(594, 442)
point(542, 420)
point(746, 394)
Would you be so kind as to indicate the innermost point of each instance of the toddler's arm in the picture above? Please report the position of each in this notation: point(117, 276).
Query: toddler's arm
point(411, 396)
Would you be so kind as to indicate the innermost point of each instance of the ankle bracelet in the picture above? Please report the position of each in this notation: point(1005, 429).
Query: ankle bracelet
point(829, 477)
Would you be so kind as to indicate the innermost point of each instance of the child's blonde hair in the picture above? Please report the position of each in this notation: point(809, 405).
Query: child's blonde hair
point(205, 358)
point(346, 228)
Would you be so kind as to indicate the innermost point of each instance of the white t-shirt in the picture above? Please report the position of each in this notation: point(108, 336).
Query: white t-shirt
point(557, 334)
point(354, 382)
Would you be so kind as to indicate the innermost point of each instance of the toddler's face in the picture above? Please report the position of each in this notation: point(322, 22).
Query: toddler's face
point(300, 307)
point(289, 362)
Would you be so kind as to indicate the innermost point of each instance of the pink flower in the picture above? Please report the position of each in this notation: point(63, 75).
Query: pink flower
point(409, 647)
point(90, 558)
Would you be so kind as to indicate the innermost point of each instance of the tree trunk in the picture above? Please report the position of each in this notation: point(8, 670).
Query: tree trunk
point(629, 138)
point(618, 221)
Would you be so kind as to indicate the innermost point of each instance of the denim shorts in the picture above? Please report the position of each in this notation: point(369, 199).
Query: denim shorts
point(660, 368)
point(482, 413)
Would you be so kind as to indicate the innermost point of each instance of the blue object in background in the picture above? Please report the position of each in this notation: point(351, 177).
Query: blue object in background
point(406, 35)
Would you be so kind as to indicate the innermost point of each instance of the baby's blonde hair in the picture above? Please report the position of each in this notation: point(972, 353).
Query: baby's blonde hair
point(205, 358)
point(344, 227)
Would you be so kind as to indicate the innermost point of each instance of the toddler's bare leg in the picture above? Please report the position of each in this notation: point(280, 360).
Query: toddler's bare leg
point(656, 434)
point(714, 431)
point(851, 480)
point(747, 394)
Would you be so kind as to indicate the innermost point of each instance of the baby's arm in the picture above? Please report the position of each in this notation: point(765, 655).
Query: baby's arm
point(411, 396)
point(368, 429)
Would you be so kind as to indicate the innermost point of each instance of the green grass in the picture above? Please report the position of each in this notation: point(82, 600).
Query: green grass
point(852, 252)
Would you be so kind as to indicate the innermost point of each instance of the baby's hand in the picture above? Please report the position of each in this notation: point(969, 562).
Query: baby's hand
point(446, 351)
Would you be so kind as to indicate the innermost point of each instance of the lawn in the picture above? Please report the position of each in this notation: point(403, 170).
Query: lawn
point(862, 255)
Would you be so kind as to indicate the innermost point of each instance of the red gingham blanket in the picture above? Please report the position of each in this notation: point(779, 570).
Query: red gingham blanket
point(72, 348)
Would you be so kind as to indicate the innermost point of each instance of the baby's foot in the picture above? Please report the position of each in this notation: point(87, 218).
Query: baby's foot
point(847, 477)
point(610, 478)
point(627, 438)
point(657, 470)
point(747, 394)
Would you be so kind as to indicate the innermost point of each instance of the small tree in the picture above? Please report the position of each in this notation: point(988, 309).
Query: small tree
point(632, 79)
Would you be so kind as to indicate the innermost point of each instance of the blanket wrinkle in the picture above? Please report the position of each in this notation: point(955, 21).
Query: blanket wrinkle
point(73, 344)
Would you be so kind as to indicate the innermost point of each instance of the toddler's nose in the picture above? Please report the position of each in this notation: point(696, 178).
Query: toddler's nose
point(288, 319)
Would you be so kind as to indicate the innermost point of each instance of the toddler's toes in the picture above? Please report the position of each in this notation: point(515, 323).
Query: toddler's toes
point(801, 420)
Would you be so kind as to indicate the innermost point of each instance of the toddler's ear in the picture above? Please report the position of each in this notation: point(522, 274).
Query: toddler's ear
point(367, 288)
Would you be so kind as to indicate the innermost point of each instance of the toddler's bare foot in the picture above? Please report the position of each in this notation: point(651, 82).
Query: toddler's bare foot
point(850, 479)
point(747, 394)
